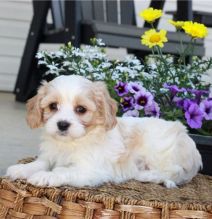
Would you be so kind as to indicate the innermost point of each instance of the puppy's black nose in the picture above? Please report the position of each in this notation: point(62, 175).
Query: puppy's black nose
point(63, 125)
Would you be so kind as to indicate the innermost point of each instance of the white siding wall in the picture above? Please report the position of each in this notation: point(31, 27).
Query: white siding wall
point(14, 23)
point(15, 16)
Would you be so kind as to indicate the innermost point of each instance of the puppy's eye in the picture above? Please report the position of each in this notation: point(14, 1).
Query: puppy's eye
point(80, 109)
point(53, 106)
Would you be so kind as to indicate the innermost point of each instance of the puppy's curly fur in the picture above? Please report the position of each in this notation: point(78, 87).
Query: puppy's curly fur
point(84, 143)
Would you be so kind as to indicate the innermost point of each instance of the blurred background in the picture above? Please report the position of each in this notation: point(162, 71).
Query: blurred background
point(15, 19)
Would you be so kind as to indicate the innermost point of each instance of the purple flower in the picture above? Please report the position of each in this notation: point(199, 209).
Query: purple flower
point(187, 103)
point(143, 99)
point(134, 87)
point(194, 116)
point(127, 103)
point(206, 107)
point(121, 89)
point(174, 89)
point(131, 113)
point(152, 110)
point(198, 93)
point(178, 101)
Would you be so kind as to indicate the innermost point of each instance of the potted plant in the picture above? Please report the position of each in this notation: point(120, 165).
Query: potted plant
point(161, 86)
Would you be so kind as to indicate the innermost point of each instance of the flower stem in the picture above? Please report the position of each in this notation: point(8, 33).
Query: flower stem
point(182, 56)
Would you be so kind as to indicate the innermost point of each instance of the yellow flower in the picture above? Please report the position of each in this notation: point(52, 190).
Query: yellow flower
point(150, 14)
point(177, 24)
point(195, 30)
point(153, 38)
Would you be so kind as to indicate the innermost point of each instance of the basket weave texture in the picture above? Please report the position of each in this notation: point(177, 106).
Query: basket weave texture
point(130, 200)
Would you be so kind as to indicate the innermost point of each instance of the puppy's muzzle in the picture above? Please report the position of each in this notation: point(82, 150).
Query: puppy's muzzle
point(63, 125)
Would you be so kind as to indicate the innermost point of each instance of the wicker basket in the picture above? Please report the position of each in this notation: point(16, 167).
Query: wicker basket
point(131, 200)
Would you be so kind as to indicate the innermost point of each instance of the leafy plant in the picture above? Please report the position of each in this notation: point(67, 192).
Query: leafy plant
point(161, 86)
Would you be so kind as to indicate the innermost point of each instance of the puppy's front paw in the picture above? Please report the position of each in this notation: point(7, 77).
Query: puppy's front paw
point(44, 178)
point(170, 184)
point(17, 172)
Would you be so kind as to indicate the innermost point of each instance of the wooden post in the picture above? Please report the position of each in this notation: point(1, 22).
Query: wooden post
point(72, 22)
point(28, 63)
point(184, 10)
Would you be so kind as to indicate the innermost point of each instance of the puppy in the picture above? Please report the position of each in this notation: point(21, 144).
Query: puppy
point(84, 144)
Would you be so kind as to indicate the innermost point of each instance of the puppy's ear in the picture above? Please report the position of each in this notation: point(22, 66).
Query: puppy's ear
point(34, 116)
point(106, 106)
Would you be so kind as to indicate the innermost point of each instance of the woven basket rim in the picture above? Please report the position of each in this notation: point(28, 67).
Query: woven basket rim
point(108, 200)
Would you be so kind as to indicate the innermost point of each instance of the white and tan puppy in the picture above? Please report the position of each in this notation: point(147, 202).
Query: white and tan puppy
point(84, 144)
